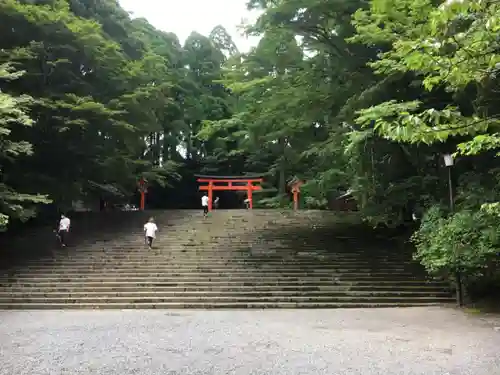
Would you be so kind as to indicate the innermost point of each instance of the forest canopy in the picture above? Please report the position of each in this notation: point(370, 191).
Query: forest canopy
point(360, 96)
point(92, 100)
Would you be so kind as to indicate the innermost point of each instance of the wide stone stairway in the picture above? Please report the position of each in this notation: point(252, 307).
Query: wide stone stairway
point(233, 259)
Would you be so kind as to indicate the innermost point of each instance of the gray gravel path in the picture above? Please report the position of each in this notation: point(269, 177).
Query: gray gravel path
point(423, 341)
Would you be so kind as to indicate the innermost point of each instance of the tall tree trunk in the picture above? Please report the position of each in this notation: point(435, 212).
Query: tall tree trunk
point(158, 149)
point(282, 166)
point(189, 144)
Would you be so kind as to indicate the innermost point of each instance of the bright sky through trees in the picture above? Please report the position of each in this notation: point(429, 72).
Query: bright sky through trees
point(183, 17)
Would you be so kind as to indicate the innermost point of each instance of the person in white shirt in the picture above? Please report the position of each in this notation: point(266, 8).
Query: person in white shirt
point(63, 229)
point(216, 203)
point(150, 230)
point(204, 204)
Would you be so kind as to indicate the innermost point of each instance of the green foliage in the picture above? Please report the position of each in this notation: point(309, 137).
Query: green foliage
point(450, 53)
point(273, 202)
point(112, 99)
point(316, 196)
point(13, 113)
point(467, 241)
point(454, 48)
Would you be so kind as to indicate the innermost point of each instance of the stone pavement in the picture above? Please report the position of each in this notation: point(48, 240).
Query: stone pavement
point(423, 341)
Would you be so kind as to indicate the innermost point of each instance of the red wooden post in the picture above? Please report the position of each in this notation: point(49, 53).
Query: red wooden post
point(296, 184)
point(142, 189)
point(249, 194)
point(210, 195)
point(295, 192)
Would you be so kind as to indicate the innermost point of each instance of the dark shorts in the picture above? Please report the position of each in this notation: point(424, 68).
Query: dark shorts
point(205, 209)
point(149, 240)
point(62, 235)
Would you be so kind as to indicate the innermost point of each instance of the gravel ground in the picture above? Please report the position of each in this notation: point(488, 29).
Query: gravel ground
point(423, 341)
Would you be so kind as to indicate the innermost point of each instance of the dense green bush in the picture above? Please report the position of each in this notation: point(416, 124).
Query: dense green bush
point(466, 241)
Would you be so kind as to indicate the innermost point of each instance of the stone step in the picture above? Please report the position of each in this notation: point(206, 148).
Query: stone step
point(229, 240)
point(201, 237)
point(226, 279)
point(209, 249)
point(92, 266)
point(204, 270)
point(210, 305)
point(155, 293)
point(224, 243)
point(217, 273)
point(234, 256)
point(165, 262)
point(207, 256)
point(219, 298)
point(258, 283)
point(216, 255)
point(216, 246)
point(216, 288)
point(184, 251)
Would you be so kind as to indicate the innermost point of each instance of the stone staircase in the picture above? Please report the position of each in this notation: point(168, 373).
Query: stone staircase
point(233, 259)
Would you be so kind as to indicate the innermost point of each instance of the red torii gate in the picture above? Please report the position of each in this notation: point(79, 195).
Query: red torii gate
point(218, 183)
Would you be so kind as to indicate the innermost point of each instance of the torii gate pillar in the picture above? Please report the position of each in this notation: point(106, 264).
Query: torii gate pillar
point(296, 184)
point(143, 190)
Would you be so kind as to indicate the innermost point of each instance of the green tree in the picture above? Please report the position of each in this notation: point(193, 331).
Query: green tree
point(101, 87)
point(452, 52)
point(14, 113)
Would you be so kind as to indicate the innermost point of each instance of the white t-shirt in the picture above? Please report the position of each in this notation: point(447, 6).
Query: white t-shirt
point(64, 223)
point(150, 229)
point(204, 201)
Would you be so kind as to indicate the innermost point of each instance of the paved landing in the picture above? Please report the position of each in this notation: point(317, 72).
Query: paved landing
point(423, 341)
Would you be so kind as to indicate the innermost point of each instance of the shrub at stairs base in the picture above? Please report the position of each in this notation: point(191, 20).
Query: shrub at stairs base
point(467, 241)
